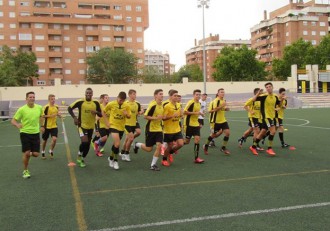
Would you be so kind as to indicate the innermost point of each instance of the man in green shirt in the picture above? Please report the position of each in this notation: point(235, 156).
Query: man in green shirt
point(28, 119)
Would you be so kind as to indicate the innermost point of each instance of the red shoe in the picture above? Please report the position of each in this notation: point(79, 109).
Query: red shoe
point(205, 148)
point(99, 154)
point(254, 151)
point(96, 148)
point(270, 152)
point(198, 160)
point(170, 158)
point(165, 163)
point(225, 151)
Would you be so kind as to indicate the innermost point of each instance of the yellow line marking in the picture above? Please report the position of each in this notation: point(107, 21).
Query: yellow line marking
point(75, 190)
point(204, 182)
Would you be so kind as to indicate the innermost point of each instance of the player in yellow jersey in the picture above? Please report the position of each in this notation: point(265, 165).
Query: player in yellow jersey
point(280, 116)
point(254, 118)
point(191, 124)
point(172, 129)
point(118, 111)
point(268, 103)
point(132, 127)
point(154, 129)
point(101, 130)
point(87, 109)
point(50, 112)
point(217, 108)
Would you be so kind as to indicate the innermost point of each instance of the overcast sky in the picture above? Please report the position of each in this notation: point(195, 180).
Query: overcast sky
point(175, 24)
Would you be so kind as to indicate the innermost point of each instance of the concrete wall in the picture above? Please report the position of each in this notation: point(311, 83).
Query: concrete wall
point(185, 88)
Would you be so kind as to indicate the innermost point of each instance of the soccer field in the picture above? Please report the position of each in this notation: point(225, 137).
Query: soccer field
point(236, 192)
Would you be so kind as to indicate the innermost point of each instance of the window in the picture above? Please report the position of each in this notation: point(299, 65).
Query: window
point(313, 23)
point(128, 28)
point(1, 25)
point(128, 19)
point(67, 60)
point(140, 51)
point(92, 48)
point(305, 32)
point(128, 7)
point(139, 29)
point(80, 27)
point(1, 14)
point(38, 25)
point(106, 39)
point(138, 19)
point(81, 72)
point(66, 38)
point(81, 50)
point(68, 72)
point(81, 61)
point(313, 42)
point(12, 26)
point(322, 23)
point(138, 8)
point(322, 33)
point(12, 37)
point(313, 32)
point(67, 49)
point(305, 23)
point(66, 27)
point(42, 71)
point(80, 39)
point(129, 39)
point(129, 50)
point(1, 2)
point(12, 14)
point(105, 27)
point(25, 36)
point(40, 60)
point(140, 61)
point(2, 37)
point(287, 34)
point(139, 40)
point(41, 82)
point(117, 17)
point(12, 3)
point(40, 48)
point(24, 3)
point(287, 24)
point(39, 37)
point(116, 7)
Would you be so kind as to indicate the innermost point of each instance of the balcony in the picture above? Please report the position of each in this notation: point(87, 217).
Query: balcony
point(54, 42)
point(55, 53)
point(55, 76)
point(56, 65)
point(25, 42)
point(54, 31)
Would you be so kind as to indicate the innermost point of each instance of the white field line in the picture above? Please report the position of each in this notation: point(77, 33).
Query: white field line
point(216, 217)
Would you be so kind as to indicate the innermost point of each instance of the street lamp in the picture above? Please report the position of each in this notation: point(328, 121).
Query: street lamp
point(204, 4)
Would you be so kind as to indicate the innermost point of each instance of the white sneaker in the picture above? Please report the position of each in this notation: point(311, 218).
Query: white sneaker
point(123, 157)
point(115, 165)
point(128, 158)
point(111, 165)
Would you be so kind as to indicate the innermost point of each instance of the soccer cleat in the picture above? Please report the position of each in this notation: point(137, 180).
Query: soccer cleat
point(135, 149)
point(99, 154)
point(225, 151)
point(115, 165)
point(123, 157)
point(198, 160)
point(51, 155)
point(270, 152)
point(102, 150)
point(96, 147)
point(82, 164)
point(240, 142)
point(110, 162)
point(260, 148)
point(285, 145)
point(170, 158)
point(165, 163)
point(128, 158)
point(43, 156)
point(26, 174)
point(205, 148)
point(254, 151)
point(212, 144)
point(154, 168)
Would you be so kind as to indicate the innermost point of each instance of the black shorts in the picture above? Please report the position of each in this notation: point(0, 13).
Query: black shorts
point(172, 137)
point(267, 123)
point(153, 137)
point(137, 125)
point(30, 142)
point(113, 130)
point(254, 122)
point(201, 122)
point(192, 131)
point(104, 132)
point(278, 122)
point(85, 132)
point(129, 129)
point(52, 132)
point(222, 126)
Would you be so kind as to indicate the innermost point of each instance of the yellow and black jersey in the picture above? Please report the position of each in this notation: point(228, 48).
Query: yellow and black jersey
point(154, 110)
point(135, 107)
point(165, 102)
point(85, 117)
point(192, 120)
point(280, 112)
point(255, 107)
point(101, 122)
point(217, 116)
point(50, 110)
point(268, 103)
point(116, 111)
point(172, 125)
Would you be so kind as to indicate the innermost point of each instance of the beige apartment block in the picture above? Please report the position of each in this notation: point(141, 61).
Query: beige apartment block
point(62, 33)
point(213, 46)
point(309, 21)
point(158, 61)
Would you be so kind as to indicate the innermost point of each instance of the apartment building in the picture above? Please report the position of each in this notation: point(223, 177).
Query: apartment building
point(159, 61)
point(286, 25)
point(213, 46)
point(62, 33)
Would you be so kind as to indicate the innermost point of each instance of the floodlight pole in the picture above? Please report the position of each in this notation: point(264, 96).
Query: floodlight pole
point(204, 4)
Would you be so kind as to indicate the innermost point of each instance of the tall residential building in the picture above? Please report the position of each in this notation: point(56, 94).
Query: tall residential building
point(213, 46)
point(286, 25)
point(63, 32)
point(157, 60)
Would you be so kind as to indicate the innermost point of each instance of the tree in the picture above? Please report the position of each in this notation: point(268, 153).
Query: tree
point(193, 72)
point(238, 65)
point(109, 65)
point(17, 67)
point(323, 52)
